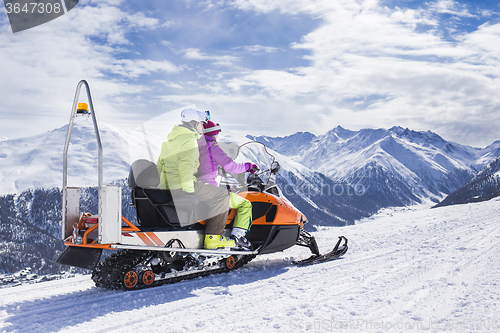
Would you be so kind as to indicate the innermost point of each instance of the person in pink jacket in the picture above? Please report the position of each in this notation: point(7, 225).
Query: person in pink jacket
point(211, 157)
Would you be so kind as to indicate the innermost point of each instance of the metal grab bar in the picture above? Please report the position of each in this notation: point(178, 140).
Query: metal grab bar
point(66, 147)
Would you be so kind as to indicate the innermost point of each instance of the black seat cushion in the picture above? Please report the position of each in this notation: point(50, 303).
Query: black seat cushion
point(155, 207)
point(143, 173)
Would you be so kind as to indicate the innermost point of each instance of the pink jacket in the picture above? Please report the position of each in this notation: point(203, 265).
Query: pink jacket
point(211, 156)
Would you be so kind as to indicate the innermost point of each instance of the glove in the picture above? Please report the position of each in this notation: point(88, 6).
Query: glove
point(252, 168)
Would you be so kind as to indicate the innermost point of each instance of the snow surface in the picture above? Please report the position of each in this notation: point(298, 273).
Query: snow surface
point(407, 270)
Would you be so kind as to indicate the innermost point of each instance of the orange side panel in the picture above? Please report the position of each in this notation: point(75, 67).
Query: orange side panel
point(286, 214)
point(261, 220)
point(144, 237)
point(155, 238)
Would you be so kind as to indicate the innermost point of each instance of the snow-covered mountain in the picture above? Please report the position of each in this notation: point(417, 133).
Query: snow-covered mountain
point(484, 186)
point(395, 167)
point(407, 270)
point(334, 178)
point(36, 162)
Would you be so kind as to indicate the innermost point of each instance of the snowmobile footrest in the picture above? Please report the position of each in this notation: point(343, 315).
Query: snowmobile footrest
point(175, 249)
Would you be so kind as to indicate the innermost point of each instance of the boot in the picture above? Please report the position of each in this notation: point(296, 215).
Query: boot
point(238, 235)
point(213, 242)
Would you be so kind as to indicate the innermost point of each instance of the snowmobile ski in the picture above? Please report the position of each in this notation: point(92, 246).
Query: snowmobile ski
point(337, 252)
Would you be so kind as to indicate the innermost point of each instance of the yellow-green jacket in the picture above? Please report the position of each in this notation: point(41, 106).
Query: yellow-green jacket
point(179, 160)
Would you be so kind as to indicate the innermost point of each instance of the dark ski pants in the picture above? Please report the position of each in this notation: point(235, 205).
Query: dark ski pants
point(215, 208)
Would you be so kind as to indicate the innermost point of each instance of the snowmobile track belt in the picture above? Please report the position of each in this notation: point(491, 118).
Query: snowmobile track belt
point(110, 272)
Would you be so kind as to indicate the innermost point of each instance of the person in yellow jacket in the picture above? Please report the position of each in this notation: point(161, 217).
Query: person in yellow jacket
point(177, 164)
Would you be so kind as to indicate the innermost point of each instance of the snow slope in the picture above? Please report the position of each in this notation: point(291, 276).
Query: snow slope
point(409, 270)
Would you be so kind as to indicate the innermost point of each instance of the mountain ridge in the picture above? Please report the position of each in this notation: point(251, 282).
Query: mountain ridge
point(485, 185)
point(363, 170)
point(420, 162)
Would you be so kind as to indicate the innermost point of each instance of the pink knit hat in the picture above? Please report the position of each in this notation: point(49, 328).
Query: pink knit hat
point(211, 128)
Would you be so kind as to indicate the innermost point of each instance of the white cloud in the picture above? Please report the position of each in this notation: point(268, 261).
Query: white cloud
point(451, 7)
point(222, 60)
point(485, 43)
point(41, 66)
point(375, 61)
point(363, 65)
point(194, 54)
point(285, 6)
point(257, 49)
point(170, 84)
point(168, 24)
point(135, 68)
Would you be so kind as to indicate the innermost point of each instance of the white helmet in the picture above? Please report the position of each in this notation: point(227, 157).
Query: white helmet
point(188, 115)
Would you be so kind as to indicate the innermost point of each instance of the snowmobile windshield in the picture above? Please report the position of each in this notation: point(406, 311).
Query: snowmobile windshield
point(251, 152)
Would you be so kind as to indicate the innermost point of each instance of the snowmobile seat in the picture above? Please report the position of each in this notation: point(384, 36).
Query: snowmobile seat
point(155, 207)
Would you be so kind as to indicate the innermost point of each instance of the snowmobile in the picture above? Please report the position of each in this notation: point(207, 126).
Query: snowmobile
point(166, 243)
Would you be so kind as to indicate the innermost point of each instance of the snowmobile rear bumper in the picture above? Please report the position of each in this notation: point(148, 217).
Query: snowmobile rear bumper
point(77, 256)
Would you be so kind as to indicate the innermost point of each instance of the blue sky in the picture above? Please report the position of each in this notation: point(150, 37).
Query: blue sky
point(264, 67)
